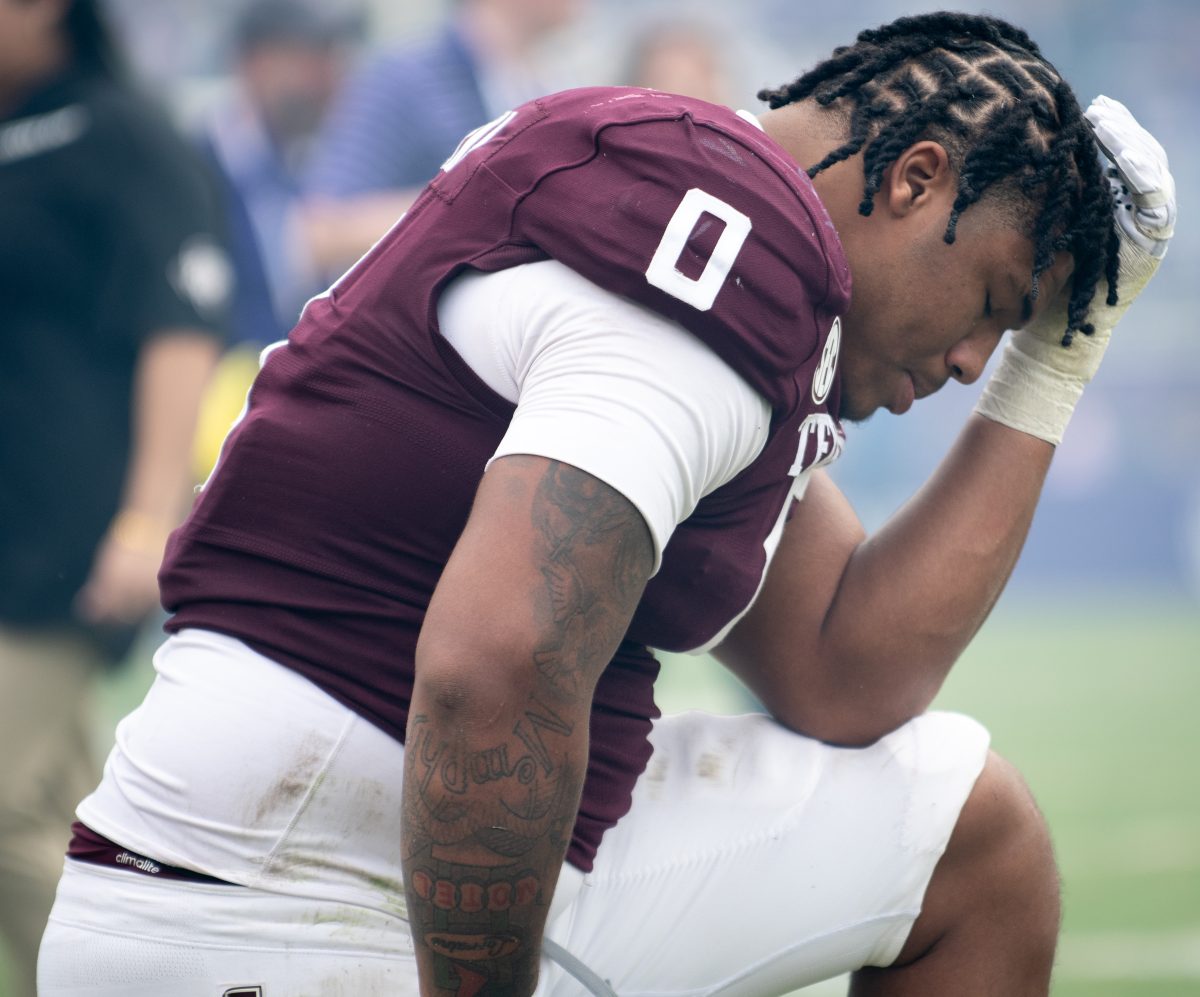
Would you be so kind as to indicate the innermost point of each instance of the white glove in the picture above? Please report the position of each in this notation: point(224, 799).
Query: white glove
point(1143, 188)
point(1038, 381)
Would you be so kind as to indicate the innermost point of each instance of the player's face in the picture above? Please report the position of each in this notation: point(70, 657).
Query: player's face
point(924, 312)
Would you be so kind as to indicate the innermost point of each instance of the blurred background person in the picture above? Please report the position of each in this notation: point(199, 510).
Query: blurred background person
point(403, 114)
point(683, 56)
point(287, 58)
point(284, 62)
point(114, 285)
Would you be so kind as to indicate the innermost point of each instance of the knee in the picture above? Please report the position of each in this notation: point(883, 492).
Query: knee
point(996, 888)
point(1002, 819)
point(1001, 855)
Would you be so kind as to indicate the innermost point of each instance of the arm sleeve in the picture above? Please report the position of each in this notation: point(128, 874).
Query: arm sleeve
point(607, 386)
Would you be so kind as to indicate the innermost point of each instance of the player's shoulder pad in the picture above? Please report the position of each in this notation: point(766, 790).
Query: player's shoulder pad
point(680, 205)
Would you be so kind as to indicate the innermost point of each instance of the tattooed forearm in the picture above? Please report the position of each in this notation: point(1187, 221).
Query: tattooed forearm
point(476, 920)
point(485, 836)
point(491, 791)
point(523, 778)
point(538, 719)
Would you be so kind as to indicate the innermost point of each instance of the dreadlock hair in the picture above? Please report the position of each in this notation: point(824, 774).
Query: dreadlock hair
point(982, 88)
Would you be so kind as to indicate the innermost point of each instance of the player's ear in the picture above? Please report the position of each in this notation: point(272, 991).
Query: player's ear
point(920, 174)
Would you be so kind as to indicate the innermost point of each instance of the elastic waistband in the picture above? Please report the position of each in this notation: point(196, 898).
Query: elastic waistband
point(88, 846)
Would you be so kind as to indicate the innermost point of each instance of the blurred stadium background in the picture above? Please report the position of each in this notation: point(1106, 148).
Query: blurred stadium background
point(1088, 673)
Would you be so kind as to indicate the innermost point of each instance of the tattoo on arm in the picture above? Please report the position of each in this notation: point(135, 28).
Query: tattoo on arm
point(487, 819)
point(580, 518)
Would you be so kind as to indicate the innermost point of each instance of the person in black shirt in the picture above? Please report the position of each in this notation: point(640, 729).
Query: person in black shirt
point(114, 285)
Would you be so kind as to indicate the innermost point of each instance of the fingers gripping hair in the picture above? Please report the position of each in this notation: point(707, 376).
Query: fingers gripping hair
point(1010, 124)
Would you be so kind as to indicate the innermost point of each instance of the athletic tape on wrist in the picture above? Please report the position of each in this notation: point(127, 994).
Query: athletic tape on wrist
point(1029, 396)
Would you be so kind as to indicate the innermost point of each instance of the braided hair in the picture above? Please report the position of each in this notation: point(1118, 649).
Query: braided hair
point(982, 88)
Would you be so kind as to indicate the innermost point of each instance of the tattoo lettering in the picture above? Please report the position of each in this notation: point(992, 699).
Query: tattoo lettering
point(523, 773)
point(540, 717)
point(472, 896)
point(487, 817)
point(476, 923)
point(471, 947)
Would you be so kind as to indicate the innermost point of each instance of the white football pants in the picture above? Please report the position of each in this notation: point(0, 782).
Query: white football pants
point(753, 861)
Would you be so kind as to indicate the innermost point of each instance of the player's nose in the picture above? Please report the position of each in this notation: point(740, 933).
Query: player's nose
point(967, 358)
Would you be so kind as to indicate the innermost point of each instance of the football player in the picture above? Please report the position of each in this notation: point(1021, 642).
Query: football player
point(574, 406)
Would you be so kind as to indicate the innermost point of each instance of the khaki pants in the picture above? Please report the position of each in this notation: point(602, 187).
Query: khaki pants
point(46, 768)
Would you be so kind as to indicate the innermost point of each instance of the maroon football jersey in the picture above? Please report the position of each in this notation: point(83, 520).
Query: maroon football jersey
point(339, 496)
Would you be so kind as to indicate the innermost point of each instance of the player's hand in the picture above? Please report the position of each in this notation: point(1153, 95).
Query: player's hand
point(1143, 192)
point(1141, 182)
point(1039, 379)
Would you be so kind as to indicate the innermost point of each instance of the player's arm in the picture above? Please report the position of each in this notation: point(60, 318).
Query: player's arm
point(853, 635)
point(531, 607)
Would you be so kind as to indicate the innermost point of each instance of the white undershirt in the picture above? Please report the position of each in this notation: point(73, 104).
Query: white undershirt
point(607, 386)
